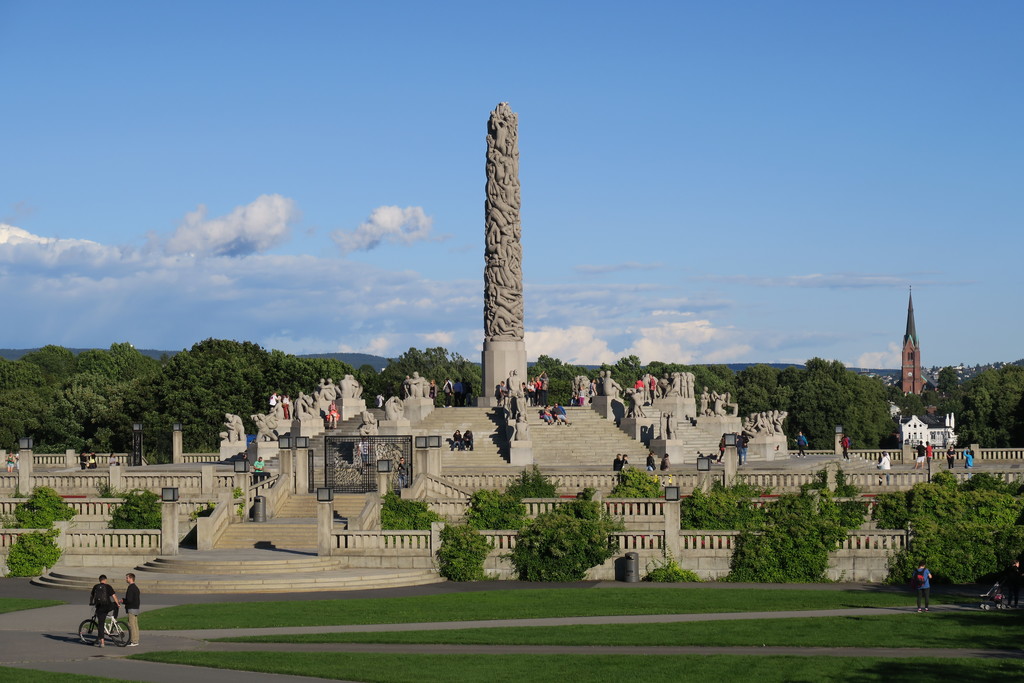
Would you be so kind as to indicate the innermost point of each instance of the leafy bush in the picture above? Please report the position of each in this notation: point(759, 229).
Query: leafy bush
point(139, 510)
point(532, 483)
point(42, 509)
point(668, 570)
point(108, 491)
point(399, 514)
point(563, 544)
point(983, 481)
point(462, 553)
point(891, 511)
point(794, 541)
point(637, 483)
point(820, 483)
point(494, 510)
point(32, 553)
point(966, 532)
point(722, 508)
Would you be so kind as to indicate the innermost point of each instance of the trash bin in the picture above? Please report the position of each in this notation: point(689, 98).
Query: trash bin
point(631, 570)
point(259, 509)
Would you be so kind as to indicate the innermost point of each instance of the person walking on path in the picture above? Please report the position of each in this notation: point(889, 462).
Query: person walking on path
point(801, 445)
point(1011, 579)
point(922, 581)
point(922, 453)
point(132, 600)
point(845, 443)
point(104, 599)
point(885, 464)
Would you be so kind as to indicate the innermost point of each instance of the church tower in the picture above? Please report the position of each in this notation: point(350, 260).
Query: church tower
point(912, 380)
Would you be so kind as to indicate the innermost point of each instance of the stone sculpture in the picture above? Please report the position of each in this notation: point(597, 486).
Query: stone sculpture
point(235, 433)
point(609, 387)
point(503, 252)
point(349, 387)
point(304, 407)
point(664, 386)
point(636, 403)
point(669, 429)
point(415, 387)
point(266, 426)
point(522, 429)
point(705, 403)
point(394, 409)
point(368, 426)
point(325, 393)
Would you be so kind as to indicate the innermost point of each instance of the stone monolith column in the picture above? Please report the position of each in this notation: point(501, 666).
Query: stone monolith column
point(504, 352)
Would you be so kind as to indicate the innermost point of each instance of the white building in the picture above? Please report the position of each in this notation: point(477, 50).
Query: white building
point(934, 429)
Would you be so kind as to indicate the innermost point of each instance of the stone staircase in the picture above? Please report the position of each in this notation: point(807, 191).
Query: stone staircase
point(488, 446)
point(240, 571)
point(589, 443)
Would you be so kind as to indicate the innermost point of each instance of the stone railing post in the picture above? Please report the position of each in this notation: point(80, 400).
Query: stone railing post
point(70, 458)
point(25, 471)
point(286, 456)
point(114, 479)
point(302, 471)
point(435, 537)
point(62, 534)
point(324, 527)
point(383, 483)
point(672, 516)
point(206, 479)
point(177, 447)
point(169, 528)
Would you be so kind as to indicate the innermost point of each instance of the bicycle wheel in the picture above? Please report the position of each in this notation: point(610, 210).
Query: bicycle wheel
point(118, 633)
point(87, 631)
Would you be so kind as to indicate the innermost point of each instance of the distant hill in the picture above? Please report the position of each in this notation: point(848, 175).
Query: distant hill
point(356, 360)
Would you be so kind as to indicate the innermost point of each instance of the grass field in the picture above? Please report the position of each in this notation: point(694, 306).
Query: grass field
point(15, 675)
point(402, 668)
point(17, 604)
point(983, 630)
point(515, 604)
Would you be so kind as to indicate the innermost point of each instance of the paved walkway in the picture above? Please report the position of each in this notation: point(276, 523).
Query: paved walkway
point(47, 638)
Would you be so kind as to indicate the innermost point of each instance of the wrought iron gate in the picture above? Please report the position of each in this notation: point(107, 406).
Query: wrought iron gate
point(350, 462)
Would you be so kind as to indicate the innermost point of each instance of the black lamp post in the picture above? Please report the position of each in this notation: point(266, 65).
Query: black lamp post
point(137, 444)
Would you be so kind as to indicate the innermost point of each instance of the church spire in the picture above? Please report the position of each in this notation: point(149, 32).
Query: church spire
point(911, 334)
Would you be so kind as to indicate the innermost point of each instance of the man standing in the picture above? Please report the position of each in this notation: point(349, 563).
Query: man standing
point(1011, 578)
point(923, 583)
point(132, 599)
point(801, 445)
point(845, 443)
point(950, 457)
point(104, 599)
point(543, 398)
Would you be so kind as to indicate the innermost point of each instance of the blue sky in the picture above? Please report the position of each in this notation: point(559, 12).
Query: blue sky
point(701, 182)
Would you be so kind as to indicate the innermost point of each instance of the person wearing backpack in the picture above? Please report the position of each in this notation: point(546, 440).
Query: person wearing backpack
point(922, 581)
point(801, 444)
point(105, 600)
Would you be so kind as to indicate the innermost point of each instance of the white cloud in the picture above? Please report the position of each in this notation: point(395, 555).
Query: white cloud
point(438, 338)
point(249, 229)
point(890, 358)
point(578, 345)
point(386, 224)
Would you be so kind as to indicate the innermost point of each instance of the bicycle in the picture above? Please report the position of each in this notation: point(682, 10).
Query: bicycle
point(114, 629)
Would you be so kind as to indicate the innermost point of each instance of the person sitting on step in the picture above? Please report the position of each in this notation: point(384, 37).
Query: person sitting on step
point(457, 442)
point(467, 439)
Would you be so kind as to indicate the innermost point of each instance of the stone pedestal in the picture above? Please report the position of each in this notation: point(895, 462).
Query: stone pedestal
point(302, 470)
point(677, 405)
point(640, 428)
point(266, 449)
point(520, 453)
point(350, 407)
point(169, 528)
point(70, 458)
point(324, 527)
point(716, 426)
point(768, 448)
point(416, 409)
point(499, 359)
point(383, 483)
point(731, 462)
point(230, 448)
point(673, 448)
point(177, 447)
point(394, 427)
point(837, 446)
point(114, 477)
point(609, 408)
point(428, 461)
point(309, 427)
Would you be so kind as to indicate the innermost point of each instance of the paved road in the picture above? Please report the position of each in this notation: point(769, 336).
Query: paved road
point(46, 638)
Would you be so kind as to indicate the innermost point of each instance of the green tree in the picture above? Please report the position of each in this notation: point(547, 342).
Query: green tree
point(400, 514)
point(436, 364)
point(42, 509)
point(495, 510)
point(462, 553)
point(993, 408)
point(637, 483)
point(563, 544)
point(138, 510)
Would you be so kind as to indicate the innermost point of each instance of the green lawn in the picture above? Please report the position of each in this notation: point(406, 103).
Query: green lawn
point(14, 675)
point(402, 668)
point(515, 604)
point(994, 630)
point(17, 604)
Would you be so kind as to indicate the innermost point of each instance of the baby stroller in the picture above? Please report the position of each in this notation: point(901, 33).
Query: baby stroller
point(994, 598)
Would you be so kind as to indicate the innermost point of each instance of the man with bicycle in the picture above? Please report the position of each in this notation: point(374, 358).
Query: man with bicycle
point(105, 600)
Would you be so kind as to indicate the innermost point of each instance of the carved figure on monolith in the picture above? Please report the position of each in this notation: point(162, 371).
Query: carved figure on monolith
point(504, 350)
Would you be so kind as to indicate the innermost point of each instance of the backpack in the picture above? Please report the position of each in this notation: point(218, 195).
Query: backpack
point(918, 578)
point(99, 597)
